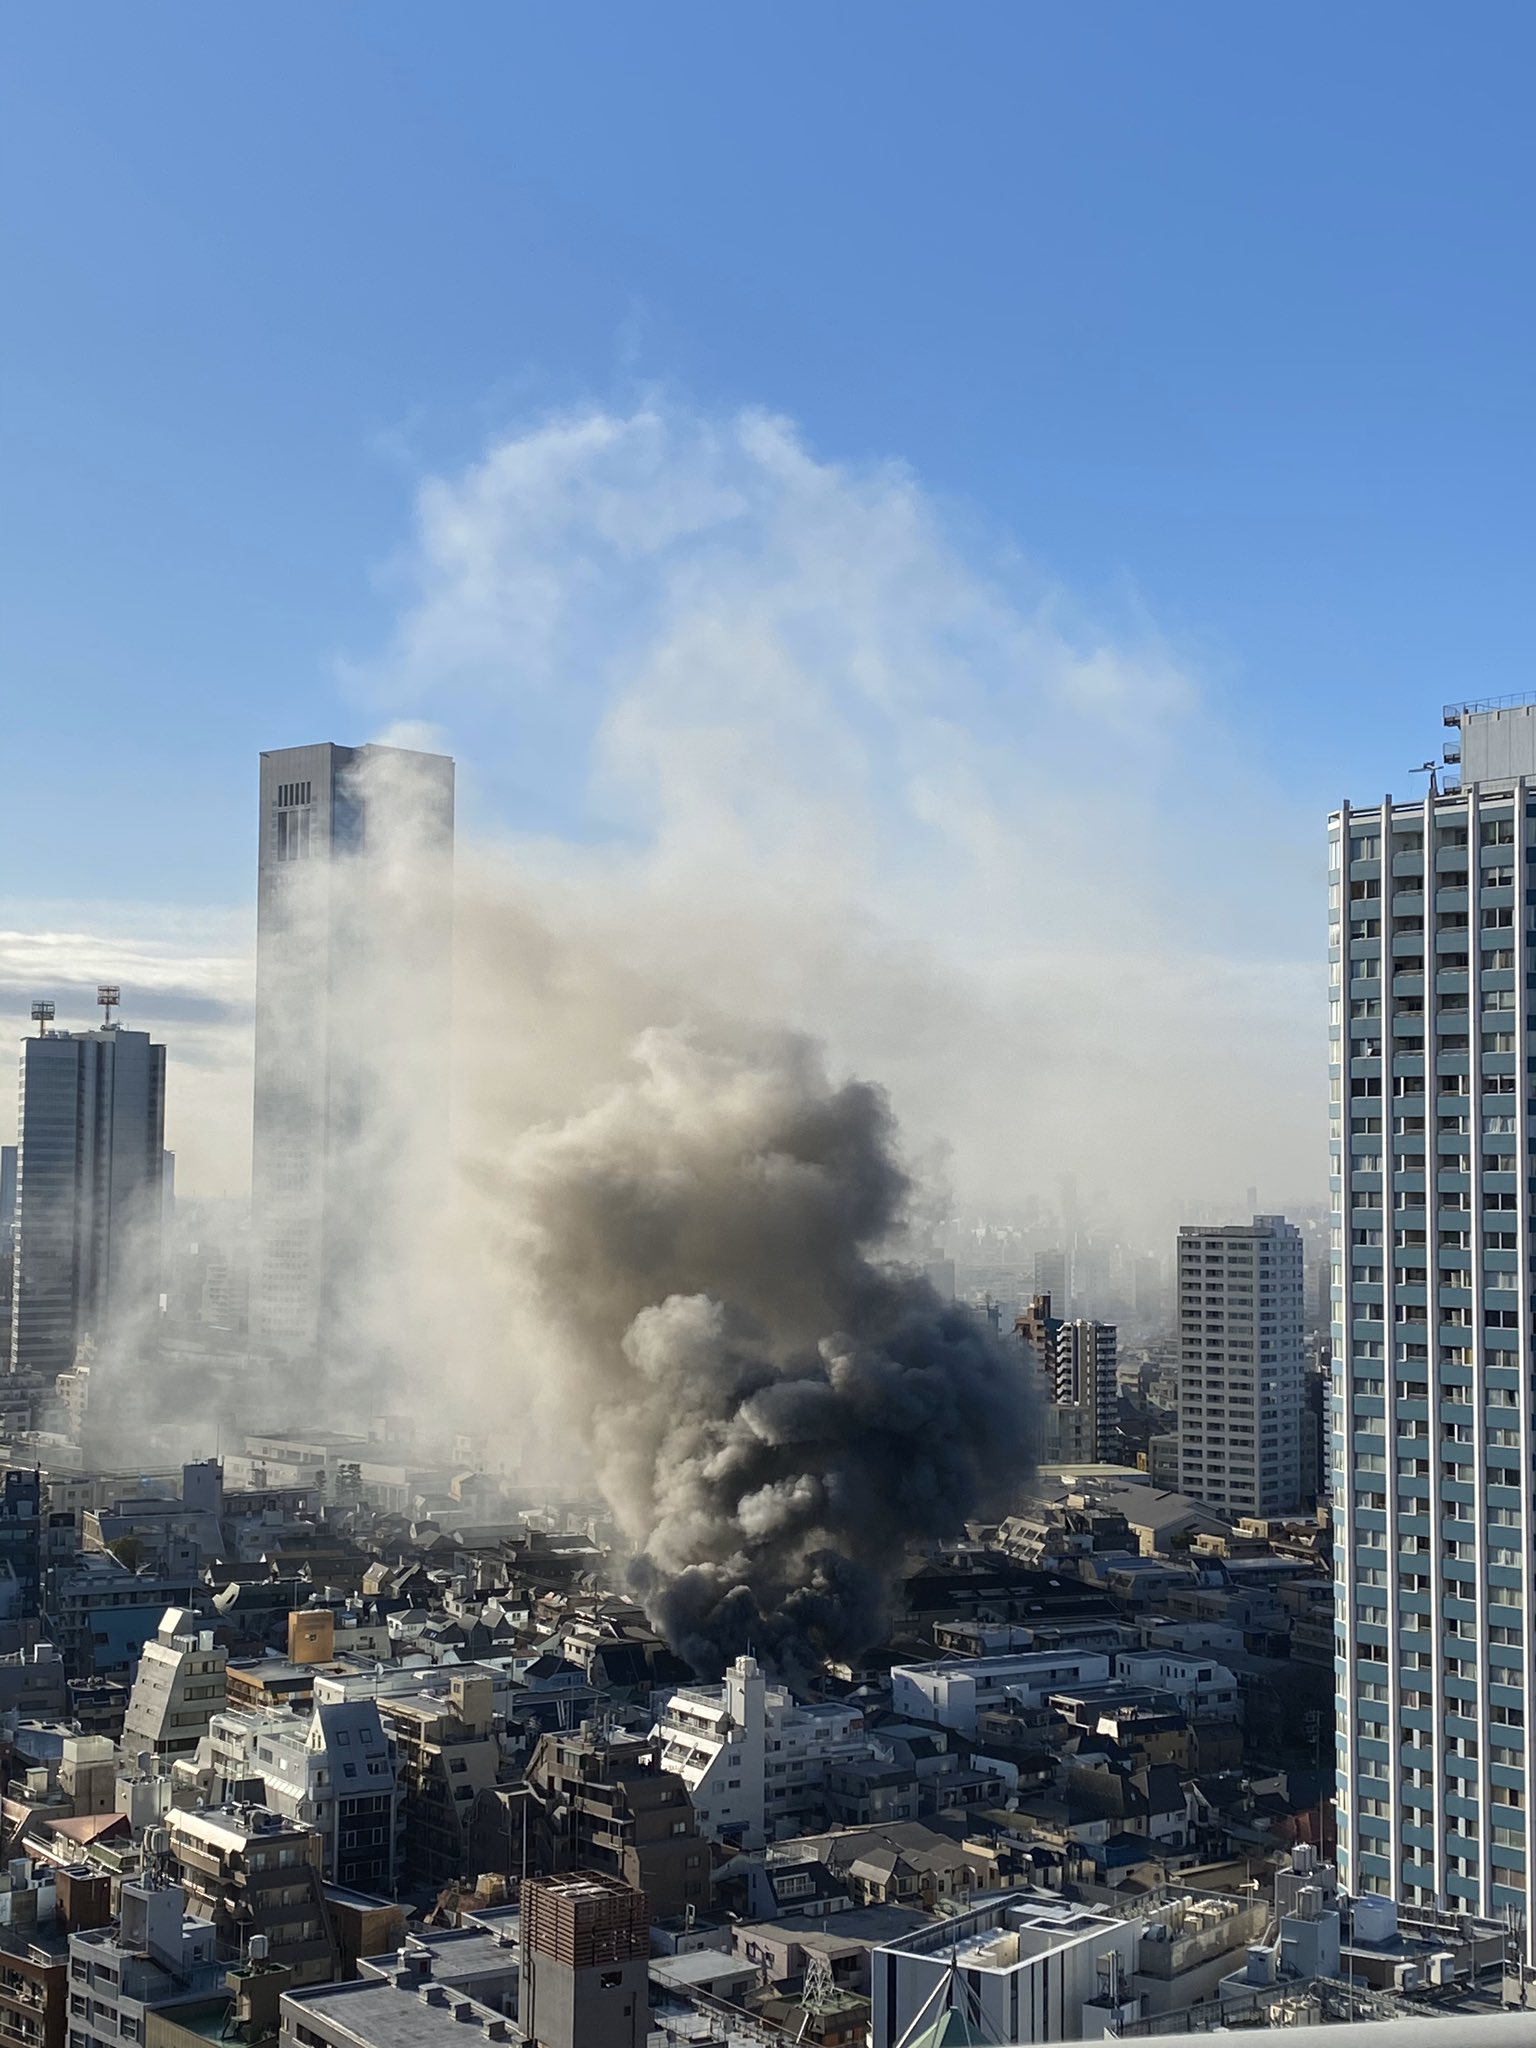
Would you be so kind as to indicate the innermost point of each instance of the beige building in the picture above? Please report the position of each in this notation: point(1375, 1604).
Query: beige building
point(249, 1871)
point(178, 1689)
point(446, 1754)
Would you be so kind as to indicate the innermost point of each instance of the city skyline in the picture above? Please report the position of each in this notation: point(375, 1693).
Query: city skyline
point(205, 1005)
point(791, 1295)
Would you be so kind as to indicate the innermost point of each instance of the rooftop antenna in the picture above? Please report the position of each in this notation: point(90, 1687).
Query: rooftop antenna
point(42, 1016)
point(1431, 769)
point(109, 995)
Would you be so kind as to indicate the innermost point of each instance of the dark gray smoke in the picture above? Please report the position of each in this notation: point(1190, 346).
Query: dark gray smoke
point(775, 1416)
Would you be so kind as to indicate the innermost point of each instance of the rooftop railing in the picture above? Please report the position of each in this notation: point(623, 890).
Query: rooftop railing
point(1454, 713)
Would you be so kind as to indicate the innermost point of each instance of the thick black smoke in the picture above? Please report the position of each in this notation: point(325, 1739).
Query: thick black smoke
point(775, 1415)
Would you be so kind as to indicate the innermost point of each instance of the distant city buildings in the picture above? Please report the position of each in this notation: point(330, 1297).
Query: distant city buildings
point(1053, 1276)
point(1241, 1365)
point(353, 958)
point(89, 1183)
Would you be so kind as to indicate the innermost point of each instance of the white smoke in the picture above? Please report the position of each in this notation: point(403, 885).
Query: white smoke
point(787, 759)
point(834, 772)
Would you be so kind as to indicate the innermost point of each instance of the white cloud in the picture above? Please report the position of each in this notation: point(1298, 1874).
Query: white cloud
point(996, 850)
point(186, 976)
point(836, 763)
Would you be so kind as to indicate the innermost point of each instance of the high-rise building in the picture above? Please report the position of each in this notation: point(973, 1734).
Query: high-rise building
point(89, 1176)
point(1085, 1382)
point(1037, 1332)
point(1241, 1362)
point(7, 1244)
point(1432, 1445)
point(1149, 1293)
point(353, 957)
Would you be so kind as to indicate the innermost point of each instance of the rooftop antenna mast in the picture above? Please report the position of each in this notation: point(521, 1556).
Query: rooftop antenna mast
point(42, 1016)
point(110, 996)
point(1432, 770)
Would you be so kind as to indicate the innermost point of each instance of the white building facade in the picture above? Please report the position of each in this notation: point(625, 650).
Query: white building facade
point(953, 1691)
point(1241, 1365)
point(1430, 1023)
point(334, 1773)
point(353, 956)
point(751, 1755)
point(1018, 1967)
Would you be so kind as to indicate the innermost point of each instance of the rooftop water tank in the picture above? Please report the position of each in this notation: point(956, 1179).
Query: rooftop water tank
point(1375, 1919)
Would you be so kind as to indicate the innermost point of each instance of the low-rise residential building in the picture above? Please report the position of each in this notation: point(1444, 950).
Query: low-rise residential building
point(446, 1755)
point(156, 1957)
point(1205, 1689)
point(752, 1757)
point(249, 1872)
point(953, 1691)
point(178, 1687)
point(331, 1770)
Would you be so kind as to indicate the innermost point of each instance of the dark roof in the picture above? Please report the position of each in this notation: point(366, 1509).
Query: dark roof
point(621, 1664)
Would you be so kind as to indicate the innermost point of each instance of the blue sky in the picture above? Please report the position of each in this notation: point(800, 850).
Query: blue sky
point(1224, 313)
point(1201, 333)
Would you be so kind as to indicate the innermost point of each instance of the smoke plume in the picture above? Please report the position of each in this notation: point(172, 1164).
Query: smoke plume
point(776, 1416)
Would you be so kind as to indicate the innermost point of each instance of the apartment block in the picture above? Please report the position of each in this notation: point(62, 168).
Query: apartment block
point(1085, 1387)
point(155, 1957)
point(607, 1804)
point(446, 1755)
point(331, 1768)
point(249, 1871)
point(178, 1688)
point(89, 1189)
point(1241, 1365)
point(751, 1755)
point(1430, 1028)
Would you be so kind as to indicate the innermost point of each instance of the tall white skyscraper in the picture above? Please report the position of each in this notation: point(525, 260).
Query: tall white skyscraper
point(89, 1176)
point(1241, 1363)
point(353, 958)
point(1430, 930)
